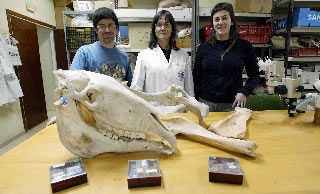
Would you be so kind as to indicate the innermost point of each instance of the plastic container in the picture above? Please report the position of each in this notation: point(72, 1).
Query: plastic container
point(79, 36)
point(254, 33)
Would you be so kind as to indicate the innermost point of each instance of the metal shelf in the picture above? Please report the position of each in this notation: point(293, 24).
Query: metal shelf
point(129, 50)
point(298, 3)
point(148, 19)
point(300, 59)
point(206, 12)
point(134, 19)
point(255, 15)
point(261, 45)
point(135, 15)
point(308, 30)
point(183, 19)
point(75, 13)
point(142, 15)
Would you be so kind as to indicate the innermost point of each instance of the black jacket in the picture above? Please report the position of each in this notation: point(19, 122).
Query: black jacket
point(219, 80)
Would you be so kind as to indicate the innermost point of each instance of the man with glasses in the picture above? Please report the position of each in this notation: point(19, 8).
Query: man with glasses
point(103, 56)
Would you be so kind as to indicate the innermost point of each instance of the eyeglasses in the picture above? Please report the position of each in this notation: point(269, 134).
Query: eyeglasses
point(166, 26)
point(103, 27)
point(223, 18)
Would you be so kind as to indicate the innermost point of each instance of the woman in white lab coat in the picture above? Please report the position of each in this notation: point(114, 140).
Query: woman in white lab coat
point(162, 64)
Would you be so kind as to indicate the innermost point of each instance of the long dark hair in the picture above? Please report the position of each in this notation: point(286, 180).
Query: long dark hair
point(153, 38)
point(234, 34)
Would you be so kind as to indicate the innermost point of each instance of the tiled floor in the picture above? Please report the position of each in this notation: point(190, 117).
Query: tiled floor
point(23, 136)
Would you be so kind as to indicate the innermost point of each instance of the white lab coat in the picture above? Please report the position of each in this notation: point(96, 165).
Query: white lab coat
point(153, 73)
point(10, 88)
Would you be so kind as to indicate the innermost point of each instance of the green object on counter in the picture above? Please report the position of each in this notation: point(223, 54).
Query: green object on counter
point(261, 102)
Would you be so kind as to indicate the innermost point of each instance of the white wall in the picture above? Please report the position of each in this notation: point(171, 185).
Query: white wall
point(10, 116)
point(44, 11)
point(10, 121)
point(48, 64)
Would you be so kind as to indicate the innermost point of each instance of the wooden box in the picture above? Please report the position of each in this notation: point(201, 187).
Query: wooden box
point(66, 175)
point(225, 170)
point(143, 173)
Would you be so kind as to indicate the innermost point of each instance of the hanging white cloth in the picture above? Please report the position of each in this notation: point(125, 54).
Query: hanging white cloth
point(9, 45)
point(10, 88)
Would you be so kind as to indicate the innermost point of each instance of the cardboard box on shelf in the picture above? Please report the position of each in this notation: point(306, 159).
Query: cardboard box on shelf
point(89, 5)
point(82, 5)
point(61, 3)
point(98, 4)
point(139, 35)
point(59, 17)
point(143, 4)
point(184, 42)
point(253, 6)
point(212, 3)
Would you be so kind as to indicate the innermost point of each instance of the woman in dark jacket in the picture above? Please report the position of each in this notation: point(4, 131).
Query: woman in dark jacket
point(219, 64)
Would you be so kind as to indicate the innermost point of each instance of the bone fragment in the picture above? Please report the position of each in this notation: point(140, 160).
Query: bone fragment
point(234, 125)
point(173, 96)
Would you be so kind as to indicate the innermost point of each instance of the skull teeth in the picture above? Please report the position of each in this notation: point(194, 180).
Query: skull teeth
point(115, 134)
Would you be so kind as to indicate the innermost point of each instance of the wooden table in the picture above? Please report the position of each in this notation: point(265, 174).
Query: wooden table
point(288, 161)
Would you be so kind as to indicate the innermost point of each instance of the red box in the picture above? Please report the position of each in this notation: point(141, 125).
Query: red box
point(305, 52)
point(205, 33)
point(256, 38)
point(254, 33)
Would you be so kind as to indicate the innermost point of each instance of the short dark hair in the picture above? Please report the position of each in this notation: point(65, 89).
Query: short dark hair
point(104, 13)
point(153, 38)
point(234, 34)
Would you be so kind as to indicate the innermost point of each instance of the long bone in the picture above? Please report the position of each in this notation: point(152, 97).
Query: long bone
point(180, 125)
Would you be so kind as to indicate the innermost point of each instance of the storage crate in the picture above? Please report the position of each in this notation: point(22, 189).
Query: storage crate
point(257, 34)
point(302, 17)
point(256, 38)
point(305, 52)
point(79, 36)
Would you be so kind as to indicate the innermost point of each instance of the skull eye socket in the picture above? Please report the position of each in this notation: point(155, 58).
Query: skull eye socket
point(91, 96)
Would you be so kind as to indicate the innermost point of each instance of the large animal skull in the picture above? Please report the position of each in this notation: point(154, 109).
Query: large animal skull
point(103, 115)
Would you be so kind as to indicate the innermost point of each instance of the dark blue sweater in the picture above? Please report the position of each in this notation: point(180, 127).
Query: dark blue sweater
point(219, 80)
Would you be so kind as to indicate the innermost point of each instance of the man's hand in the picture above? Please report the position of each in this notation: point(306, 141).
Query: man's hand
point(240, 100)
point(52, 121)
